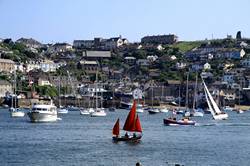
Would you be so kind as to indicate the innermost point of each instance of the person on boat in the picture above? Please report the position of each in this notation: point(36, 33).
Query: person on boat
point(126, 134)
point(134, 135)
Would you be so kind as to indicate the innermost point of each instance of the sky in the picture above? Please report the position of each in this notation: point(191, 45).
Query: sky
point(50, 21)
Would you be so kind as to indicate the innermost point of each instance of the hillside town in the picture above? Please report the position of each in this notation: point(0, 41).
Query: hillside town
point(159, 63)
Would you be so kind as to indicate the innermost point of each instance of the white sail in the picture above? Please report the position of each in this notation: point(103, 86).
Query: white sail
point(209, 105)
point(215, 106)
point(214, 109)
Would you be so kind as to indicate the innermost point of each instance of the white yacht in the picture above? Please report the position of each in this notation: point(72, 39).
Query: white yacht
point(43, 113)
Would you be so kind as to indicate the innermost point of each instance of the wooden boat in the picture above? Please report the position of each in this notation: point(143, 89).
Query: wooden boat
point(132, 124)
point(175, 122)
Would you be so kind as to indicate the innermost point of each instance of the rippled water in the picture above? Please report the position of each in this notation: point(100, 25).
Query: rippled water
point(80, 140)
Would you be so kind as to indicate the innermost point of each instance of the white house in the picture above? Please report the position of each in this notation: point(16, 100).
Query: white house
point(5, 87)
point(60, 47)
point(43, 82)
point(207, 66)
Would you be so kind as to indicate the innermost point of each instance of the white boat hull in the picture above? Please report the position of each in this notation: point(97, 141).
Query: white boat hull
point(84, 112)
point(198, 114)
point(16, 114)
point(139, 110)
point(42, 117)
point(99, 113)
point(62, 111)
point(223, 116)
point(164, 110)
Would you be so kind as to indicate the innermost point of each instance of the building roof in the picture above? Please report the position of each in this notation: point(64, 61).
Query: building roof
point(84, 62)
point(4, 82)
point(98, 54)
point(7, 61)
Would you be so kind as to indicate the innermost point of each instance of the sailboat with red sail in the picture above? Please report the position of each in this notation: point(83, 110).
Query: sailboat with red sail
point(132, 124)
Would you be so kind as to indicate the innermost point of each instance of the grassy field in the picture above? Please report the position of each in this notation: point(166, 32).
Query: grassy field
point(187, 45)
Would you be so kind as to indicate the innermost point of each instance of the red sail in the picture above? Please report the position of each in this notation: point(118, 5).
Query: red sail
point(116, 128)
point(130, 121)
point(138, 124)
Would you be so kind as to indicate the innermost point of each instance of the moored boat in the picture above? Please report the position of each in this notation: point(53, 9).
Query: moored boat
point(62, 110)
point(16, 113)
point(153, 111)
point(43, 113)
point(99, 112)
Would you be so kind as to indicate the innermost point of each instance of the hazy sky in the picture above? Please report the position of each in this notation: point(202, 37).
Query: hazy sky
point(66, 20)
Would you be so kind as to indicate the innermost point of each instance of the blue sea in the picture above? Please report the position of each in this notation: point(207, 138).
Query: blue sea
point(78, 140)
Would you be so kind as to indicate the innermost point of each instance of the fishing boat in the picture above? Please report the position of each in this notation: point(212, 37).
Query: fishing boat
point(132, 124)
point(213, 107)
point(174, 122)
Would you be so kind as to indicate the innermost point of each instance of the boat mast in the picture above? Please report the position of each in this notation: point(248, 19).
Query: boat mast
point(187, 91)
point(15, 89)
point(195, 91)
point(152, 97)
point(59, 91)
point(179, 104)
point(96, 100)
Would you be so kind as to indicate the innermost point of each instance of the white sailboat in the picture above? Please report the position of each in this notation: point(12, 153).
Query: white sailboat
point(14, 111)
point(213, 107)
point(60, 109)
point(196, 112)
point(98, 112)
point(153, 110)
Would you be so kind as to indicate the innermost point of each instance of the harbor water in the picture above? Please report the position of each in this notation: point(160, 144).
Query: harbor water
point(83, 140)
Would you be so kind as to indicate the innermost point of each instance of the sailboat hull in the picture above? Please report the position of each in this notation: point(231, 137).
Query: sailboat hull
point(16, 114)
point(222, 116)
point(124, 138)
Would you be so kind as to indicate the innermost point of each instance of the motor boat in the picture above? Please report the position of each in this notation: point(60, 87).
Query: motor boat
point(43, 113)
point(174, 122)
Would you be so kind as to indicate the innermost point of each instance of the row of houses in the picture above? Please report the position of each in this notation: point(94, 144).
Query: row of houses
point(100, 43)
point(208, 53)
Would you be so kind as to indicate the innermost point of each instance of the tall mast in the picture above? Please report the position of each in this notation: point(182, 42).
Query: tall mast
point(96, 77)
point(187, 91)
point(195, 91)
point(15, 89)
point(59, 91)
